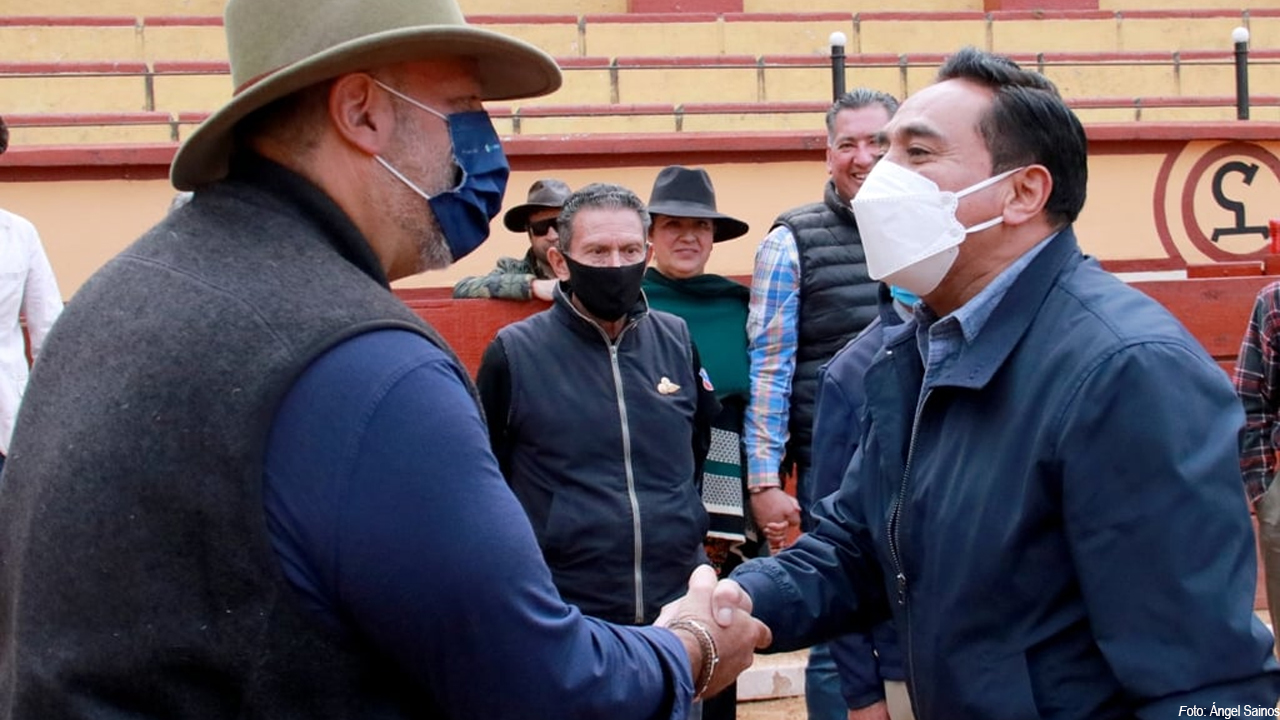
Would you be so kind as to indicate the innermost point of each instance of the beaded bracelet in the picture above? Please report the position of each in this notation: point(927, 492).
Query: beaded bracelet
point(706, 644)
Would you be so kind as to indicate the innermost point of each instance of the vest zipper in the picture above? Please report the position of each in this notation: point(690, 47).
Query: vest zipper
point(631, 482)
point(632, 497)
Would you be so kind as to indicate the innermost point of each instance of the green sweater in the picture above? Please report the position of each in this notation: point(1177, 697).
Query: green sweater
point(715, 308)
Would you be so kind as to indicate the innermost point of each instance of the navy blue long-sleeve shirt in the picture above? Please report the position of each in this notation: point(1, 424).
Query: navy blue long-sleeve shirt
point(863, 659)
point(391, 519)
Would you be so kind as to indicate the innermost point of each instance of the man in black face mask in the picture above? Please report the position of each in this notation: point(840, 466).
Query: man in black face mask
point(599, 414)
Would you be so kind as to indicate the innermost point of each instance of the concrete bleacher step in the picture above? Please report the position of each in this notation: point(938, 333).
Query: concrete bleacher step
point(163, 35)
point(124, 78)
point(72, 129)
point(773, 676)
point(139, 8)
point(203, 85)
point(136, 8)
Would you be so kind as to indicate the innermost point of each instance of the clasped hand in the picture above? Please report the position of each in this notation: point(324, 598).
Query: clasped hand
point(725, 609)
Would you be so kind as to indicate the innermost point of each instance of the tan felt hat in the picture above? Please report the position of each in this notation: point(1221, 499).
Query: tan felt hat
point(278, 47)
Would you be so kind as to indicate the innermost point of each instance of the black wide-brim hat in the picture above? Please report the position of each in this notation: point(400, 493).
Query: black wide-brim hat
point(544, 194)
point(687, 192)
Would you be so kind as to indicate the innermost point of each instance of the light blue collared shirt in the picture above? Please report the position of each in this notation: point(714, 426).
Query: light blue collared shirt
point(941, 339)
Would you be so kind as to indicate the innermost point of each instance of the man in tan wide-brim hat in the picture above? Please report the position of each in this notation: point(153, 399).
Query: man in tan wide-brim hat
point(247, 482)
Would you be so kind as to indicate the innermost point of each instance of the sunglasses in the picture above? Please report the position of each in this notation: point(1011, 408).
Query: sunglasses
point(542, 227)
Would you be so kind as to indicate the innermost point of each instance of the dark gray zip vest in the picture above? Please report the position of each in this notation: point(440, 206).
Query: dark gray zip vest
point(577, 461)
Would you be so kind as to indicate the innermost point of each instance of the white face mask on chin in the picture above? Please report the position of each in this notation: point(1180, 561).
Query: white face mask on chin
point(909, 228)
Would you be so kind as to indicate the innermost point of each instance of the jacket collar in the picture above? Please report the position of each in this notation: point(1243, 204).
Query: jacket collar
point(536, 268)
point(979, 361)
point(842, 209)
point(578, 322)
point(706, 285)
point(298, 196)
point(886, 308)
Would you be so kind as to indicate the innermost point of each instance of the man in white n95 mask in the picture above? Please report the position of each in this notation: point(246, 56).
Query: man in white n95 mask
point(1036, 440)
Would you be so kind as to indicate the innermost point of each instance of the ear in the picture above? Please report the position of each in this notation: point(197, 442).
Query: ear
point(648, 256)
point(361, 114)
point(829, 170)
point(1031, 188)
point(555, 258)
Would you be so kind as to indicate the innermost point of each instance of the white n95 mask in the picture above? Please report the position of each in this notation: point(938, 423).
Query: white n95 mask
point(909, 228)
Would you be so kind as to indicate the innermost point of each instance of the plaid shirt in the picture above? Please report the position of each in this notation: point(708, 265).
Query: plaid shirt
point(773, 335)
point(1257, 380)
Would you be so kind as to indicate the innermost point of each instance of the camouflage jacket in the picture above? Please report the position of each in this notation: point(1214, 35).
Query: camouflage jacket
point(508, 281)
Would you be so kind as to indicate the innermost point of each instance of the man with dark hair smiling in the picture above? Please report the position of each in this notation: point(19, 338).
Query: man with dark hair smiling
point(1039, 441)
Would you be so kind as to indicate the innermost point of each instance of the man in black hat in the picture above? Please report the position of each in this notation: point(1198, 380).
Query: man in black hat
point(531, 275)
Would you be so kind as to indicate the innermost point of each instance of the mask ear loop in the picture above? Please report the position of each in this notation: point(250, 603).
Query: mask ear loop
point(410, 100)
point(421, 106)
point(984, 225)
point(402, 178)
point(981, 186)
point(987, 183)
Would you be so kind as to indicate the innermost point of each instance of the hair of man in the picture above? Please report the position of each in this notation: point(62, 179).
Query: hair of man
point(1028, 123)
point(295, 120)
point(857, 99)
point(599, 195)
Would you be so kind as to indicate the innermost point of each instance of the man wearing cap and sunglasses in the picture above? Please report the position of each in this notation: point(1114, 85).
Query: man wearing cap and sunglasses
point(530, 276)
point(248, 482)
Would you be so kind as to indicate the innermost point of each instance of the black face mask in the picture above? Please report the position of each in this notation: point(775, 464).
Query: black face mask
point(607, 293)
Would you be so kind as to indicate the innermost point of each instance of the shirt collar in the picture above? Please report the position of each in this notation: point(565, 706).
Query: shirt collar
point(973, 315)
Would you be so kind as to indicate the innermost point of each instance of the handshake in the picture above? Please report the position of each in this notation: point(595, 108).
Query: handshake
point(714, 622)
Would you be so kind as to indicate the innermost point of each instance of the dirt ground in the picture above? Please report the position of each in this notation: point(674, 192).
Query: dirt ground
point(791, 708)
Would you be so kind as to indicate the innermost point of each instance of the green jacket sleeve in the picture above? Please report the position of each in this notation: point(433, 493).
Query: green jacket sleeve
point(510, 280)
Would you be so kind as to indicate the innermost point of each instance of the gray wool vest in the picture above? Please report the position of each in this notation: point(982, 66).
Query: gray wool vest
point(837, 300)
point(137, 578)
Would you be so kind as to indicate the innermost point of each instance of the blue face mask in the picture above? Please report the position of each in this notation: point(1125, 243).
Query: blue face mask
point(465, 211)
point(903, 296)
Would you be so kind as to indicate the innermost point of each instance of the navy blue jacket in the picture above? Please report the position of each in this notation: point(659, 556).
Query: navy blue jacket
point(602, 442)
point(863, 659)
point(1029, 530)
